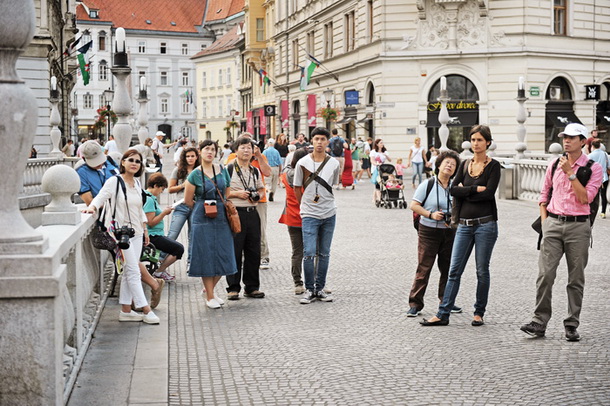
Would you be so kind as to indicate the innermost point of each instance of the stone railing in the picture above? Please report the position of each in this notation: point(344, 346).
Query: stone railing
point(35, 169)
point(528, 175)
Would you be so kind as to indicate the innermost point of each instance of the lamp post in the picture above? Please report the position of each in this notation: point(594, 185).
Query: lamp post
point(108, 93)
point(121, 101)
point(443, 116)
point(521, 117)
point(328, 95)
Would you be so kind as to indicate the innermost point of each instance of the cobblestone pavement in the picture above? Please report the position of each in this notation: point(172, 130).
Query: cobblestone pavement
point(362, 349)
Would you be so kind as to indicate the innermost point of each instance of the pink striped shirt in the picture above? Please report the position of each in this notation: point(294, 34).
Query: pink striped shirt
point(564, 201)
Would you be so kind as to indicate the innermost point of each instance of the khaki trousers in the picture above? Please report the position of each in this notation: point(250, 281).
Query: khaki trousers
point(571, 239)
point(261, 208)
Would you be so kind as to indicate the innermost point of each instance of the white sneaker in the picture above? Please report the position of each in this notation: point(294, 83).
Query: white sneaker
point(219, 300)
point(212, 304)
point(264, 263)
point(131, 316)
point(151, 318)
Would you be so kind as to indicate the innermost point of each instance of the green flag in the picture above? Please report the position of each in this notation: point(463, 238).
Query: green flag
point(84, 68)
point(306, 73)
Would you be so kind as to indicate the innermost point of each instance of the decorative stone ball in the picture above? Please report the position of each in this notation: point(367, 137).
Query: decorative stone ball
point(555, 148)
point(61, 182)
point(466, 145)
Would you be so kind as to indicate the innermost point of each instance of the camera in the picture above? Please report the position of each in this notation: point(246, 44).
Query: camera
point(123, 235)
point(254, 195)
point(447, 218)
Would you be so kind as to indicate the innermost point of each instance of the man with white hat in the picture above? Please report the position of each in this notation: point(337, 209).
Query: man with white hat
point(566, 229)
point(158, 148)
point(96, 169)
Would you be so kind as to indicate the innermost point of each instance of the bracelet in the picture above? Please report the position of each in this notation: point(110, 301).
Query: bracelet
point(430, 216)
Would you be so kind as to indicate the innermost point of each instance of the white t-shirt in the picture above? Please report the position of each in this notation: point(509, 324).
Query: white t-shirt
point(325, 207)
point(111, 147)
point(378, 158)
point(416, 154)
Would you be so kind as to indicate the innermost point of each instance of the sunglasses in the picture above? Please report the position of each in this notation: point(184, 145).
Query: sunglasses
point(137, 161)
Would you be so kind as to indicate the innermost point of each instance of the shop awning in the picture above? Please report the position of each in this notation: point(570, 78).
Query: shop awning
point(345, 120)
point(365, 119)
point(562, 118)
point(604, 118)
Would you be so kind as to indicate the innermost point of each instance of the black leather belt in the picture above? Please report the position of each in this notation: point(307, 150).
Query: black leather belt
point(477, 221)
point(569, 219)
point(246, 209)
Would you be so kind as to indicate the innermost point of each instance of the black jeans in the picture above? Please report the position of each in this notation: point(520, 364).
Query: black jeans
point(248, 243)
point(296, 240)
point(603, 190)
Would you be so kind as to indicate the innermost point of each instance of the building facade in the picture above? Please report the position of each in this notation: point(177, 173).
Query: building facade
point(160, 41)
point(382, 61)
point(43, 58)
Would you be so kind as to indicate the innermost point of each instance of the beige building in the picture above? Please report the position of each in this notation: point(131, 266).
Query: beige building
point(383, 60)
point(217, 73)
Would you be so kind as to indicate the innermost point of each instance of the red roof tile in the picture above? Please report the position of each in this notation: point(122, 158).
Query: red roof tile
point(224, 43)
point(221, 9)
point(133, 14)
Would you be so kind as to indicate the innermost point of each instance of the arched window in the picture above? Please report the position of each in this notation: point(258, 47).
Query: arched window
point(559, 110)
point(559, 89)
point(463, 111)
point(103, 70)
point(101, 41)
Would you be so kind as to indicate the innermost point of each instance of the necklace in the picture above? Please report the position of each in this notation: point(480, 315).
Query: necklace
point(470, 168)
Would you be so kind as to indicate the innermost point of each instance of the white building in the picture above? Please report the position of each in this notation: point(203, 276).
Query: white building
point(160, 40)
point(383, 61)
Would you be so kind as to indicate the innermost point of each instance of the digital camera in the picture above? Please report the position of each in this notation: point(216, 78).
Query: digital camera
point(447, 217)
point(254, 195)
point(123, 235)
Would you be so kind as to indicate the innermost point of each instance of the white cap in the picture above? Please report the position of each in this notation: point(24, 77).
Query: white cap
point(160, 133)
point(270, 141)
point(574, 129)
point(93, 153)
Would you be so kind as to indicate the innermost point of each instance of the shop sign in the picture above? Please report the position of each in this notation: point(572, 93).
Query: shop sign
point(592, 92)
point(269, 110)
point(534, 91)
point(351, 97)
point(455, 105)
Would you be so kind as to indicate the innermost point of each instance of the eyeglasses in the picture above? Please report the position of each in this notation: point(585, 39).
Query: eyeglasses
point(137, 161)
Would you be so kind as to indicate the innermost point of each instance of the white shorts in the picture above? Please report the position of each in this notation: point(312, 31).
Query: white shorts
point(357, 165)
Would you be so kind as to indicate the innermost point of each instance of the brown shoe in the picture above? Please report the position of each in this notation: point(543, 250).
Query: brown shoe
point(233, 295)
point(155, 297)
point(255, 294)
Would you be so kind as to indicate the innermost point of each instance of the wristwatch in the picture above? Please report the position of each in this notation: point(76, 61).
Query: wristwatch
point(572, 177)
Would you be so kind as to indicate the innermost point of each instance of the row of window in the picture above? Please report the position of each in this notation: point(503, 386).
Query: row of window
point(223, 74)
point(185, 103)
point(163, 46)
point(216, 107)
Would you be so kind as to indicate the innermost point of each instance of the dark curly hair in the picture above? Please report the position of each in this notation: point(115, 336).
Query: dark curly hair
point(183, 165)
point(444, 155)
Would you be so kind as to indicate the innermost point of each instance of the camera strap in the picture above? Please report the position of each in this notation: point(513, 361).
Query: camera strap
point(241, 177)
point(124, 187)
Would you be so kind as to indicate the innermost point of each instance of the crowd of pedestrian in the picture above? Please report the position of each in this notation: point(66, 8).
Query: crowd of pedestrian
point(455, 209)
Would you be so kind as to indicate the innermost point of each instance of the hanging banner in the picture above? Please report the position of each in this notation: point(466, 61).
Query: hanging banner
point(249, 123)
point(285, 115)
point(311, 110)
point(263, 122)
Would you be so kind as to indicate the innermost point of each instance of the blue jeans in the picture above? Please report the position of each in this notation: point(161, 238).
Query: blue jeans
point(180, 215)
point(317, 236)
point(418, 168)
point(483, 237)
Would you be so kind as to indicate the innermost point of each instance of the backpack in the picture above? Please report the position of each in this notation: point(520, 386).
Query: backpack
point(417, 216)
point(337, 147)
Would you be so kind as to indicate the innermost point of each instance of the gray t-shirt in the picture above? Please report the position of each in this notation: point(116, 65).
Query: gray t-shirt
point(180, 194)
point(325, 207)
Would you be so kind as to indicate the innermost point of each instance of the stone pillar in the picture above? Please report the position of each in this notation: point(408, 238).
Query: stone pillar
point(443, 115)
point(55, 121)
point(121, 103)
point(521, 117)
point(18, 114)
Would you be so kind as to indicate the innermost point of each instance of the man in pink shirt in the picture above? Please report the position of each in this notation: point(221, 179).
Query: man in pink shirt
point(566, 229)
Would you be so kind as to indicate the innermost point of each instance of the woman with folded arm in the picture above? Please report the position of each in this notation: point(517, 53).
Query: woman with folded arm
point(129, 214)
point(474, 187)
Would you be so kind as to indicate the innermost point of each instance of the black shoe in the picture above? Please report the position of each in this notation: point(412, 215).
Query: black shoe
point(441, 322)
point(572, 334)
point(477, 323)
point(270, 197)
point(534, 329)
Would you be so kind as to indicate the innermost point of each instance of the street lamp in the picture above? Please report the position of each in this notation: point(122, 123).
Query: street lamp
point(108, 94)
point(328, 95)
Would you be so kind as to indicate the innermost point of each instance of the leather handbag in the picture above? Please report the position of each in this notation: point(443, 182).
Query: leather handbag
point(101, 238)
point(232, 215)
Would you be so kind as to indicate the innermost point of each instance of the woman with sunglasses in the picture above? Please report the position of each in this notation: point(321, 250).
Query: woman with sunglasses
point(212, 251)
point(125, 193)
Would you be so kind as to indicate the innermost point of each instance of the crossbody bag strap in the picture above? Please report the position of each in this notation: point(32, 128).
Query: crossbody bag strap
point(124, 187)
point(314, 175)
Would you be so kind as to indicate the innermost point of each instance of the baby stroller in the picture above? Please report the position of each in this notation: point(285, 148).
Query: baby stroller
point(390, 197)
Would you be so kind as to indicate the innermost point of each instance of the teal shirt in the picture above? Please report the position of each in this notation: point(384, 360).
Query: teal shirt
point(152, 206)
point(195, 178)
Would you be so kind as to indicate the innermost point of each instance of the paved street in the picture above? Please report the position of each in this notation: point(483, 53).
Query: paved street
point(361, 349)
